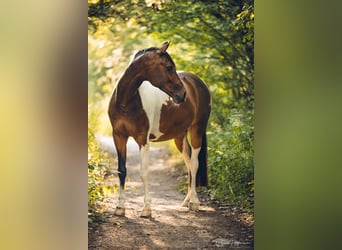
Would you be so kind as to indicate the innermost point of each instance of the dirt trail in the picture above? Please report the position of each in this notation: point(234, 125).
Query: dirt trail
point(171, 226)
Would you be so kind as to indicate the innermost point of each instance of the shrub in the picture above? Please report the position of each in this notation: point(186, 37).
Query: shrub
point(231, 168)
point(95, 173)
point(97, 169)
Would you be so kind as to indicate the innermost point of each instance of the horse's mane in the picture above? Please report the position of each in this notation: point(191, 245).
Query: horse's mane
point(144, 51)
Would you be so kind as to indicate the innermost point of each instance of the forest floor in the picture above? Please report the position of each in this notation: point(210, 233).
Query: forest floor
point(214, 226)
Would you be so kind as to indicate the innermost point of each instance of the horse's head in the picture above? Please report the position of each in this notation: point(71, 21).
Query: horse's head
point(160, 70)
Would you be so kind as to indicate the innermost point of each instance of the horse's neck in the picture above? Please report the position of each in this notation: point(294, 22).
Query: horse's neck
point(127, 87)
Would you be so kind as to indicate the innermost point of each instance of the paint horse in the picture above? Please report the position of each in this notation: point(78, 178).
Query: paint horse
point(152, 102)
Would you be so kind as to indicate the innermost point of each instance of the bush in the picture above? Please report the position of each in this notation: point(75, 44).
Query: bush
point(95, 173)
point(97, 169)
point(231, 169)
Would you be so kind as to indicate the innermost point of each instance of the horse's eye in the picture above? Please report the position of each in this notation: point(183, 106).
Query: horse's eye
point(169, 68)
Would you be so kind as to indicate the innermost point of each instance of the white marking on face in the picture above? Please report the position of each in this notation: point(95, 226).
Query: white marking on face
point(152, 99)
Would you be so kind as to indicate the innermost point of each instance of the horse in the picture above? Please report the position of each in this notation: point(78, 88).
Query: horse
point(153, 102)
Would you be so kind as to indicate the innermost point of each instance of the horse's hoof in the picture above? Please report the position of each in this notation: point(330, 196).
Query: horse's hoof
point(146, 213)
point(119, 211)
point(193, 206)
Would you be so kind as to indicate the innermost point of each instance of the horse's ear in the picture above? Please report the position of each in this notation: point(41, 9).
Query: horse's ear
point(164, 47)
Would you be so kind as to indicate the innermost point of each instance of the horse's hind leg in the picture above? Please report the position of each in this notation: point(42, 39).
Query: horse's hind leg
point(196, 134)
point(120, 145)
point(183, 146)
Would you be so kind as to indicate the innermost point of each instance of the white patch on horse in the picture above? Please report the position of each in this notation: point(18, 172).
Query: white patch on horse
point(152, 100)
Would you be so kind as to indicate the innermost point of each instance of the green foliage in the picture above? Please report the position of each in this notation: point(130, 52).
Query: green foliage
point(97, 168)
point(95, 173)
point(231, 169)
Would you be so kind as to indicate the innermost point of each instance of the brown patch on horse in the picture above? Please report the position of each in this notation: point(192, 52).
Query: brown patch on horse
point(193, 113)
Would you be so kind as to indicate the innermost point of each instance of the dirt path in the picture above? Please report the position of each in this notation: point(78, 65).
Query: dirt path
point(171, 226)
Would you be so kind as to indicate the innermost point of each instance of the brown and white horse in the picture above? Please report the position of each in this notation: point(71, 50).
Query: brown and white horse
point(152, 102)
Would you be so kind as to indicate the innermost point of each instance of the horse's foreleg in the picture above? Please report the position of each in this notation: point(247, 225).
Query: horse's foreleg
point(144, 174)
point(120, 144)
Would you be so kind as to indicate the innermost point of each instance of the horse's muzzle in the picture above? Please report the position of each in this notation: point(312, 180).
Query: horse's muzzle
point(179, 97)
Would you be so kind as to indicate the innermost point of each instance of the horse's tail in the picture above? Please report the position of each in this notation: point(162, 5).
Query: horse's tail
point(202, 172)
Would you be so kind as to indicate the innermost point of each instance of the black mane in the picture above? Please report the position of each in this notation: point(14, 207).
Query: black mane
point(144, 51)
